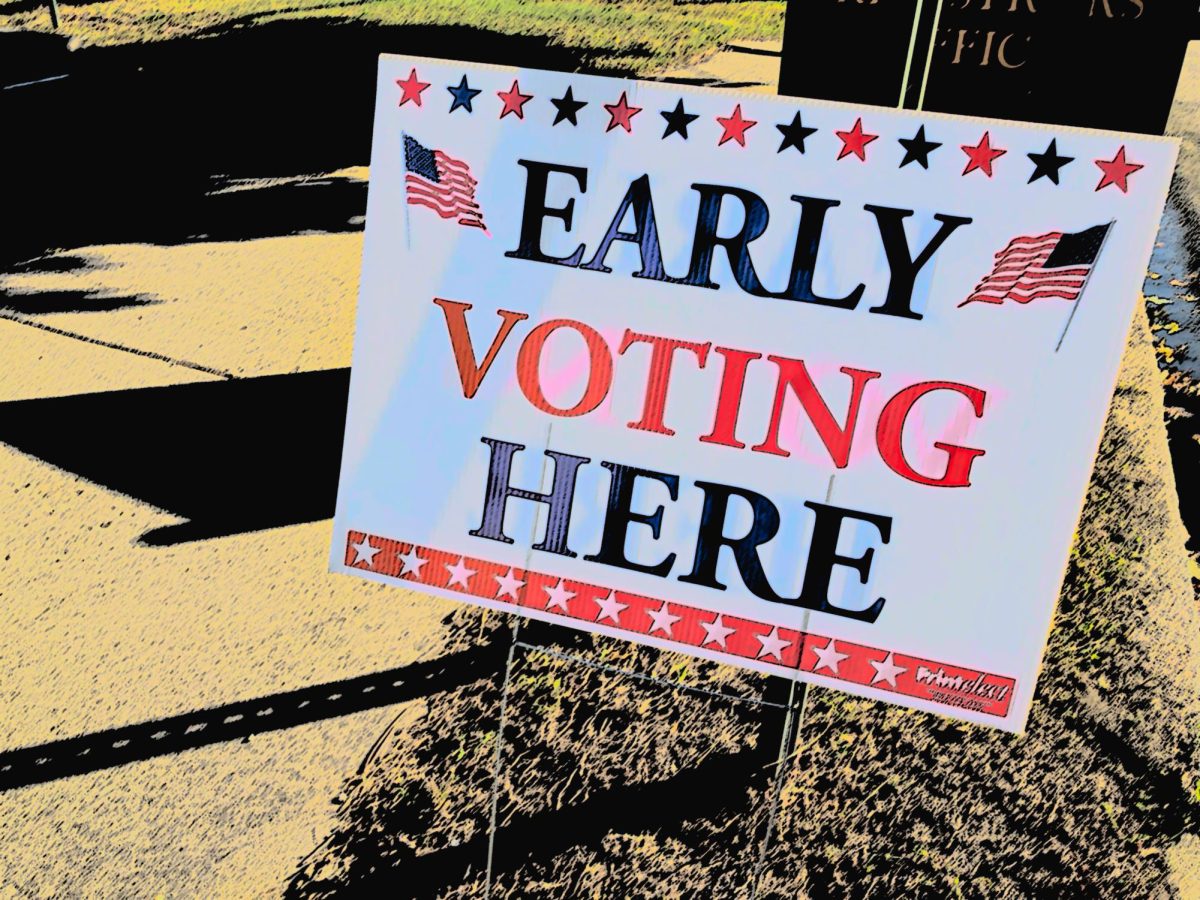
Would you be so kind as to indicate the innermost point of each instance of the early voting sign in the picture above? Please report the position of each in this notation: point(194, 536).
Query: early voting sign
point(805, 387)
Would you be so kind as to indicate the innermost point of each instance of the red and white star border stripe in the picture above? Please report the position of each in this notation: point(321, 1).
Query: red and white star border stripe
point(855, 143)
point(678, 623)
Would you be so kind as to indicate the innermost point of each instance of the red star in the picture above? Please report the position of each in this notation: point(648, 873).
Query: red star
point(621, 113)
point(982, 156)
point(412, 87)
point(1117, 171)
point(514, 101)
point(735, 127)
point(855, 141)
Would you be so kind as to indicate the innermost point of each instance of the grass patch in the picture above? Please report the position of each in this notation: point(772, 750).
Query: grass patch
point(639, 36)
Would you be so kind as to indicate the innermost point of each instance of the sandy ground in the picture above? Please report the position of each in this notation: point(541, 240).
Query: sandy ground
point(230, 820)
point(748, 65)
point(260, 307)
point(98, 630)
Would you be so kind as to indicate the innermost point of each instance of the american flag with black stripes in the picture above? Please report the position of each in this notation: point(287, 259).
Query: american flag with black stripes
point(1054, 265)
point(442, 183)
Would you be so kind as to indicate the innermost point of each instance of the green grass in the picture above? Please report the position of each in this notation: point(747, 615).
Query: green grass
point(616, 35)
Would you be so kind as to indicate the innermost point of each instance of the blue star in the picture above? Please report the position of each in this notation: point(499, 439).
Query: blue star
point(463, 95)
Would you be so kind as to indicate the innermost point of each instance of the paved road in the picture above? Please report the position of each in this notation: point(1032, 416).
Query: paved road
point(100, 629)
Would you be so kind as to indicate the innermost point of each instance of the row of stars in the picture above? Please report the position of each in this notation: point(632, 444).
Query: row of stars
point(981, 157)
point(609, 609)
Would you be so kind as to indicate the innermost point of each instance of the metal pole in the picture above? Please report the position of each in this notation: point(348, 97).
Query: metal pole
point(53, 4)
point(937, 20)
point(1086, 281)
point(912, 43)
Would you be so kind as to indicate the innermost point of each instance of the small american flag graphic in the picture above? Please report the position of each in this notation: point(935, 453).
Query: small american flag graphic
point(1055, 265)
point(441, 183)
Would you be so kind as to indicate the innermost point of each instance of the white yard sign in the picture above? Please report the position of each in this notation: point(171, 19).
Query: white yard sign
point(805, 387)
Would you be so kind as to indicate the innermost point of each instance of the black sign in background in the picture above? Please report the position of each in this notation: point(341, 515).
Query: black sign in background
point(848, 51)
point(1097, 63)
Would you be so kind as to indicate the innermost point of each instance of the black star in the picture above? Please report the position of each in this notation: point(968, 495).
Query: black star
point(917, 149)
point(794, 134)
point(1048, 164)
point(678, 120)
point(463, 94)
point(567, 107)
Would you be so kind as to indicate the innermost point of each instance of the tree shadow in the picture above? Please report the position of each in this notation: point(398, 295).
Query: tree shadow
point(46, 302)
point(1183, 432)
point(28, 56)
point(228, 456)
point(71, 263)
point(753, 51)
point(13, 6)
point(129, 146)
point(708, 82)
point(29, 300)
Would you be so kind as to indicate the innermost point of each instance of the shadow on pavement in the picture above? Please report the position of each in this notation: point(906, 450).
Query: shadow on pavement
point(709, 82)
point(131, 145)
point(33, 302)
point(45, 302)
point(228, 456)
point(243, 719)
